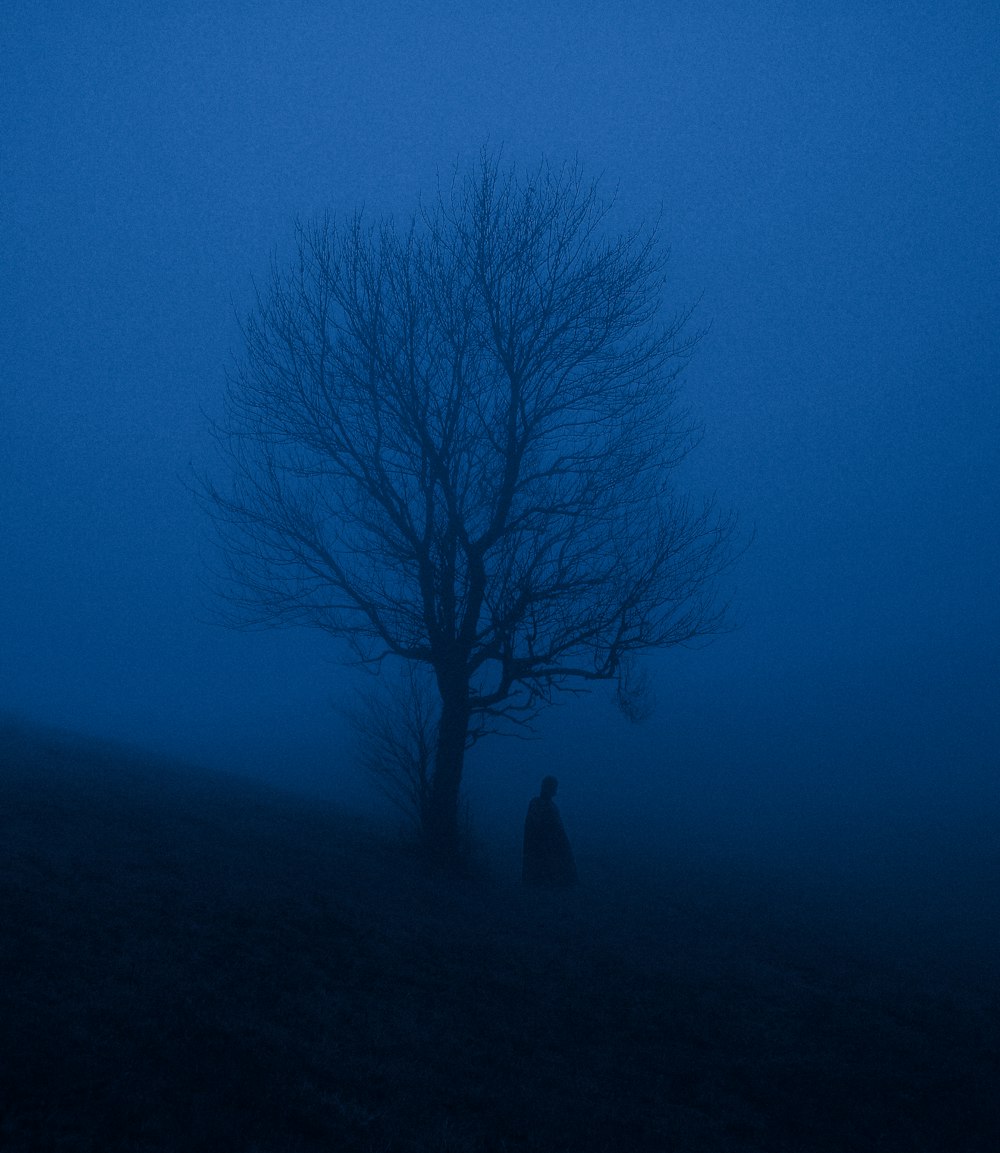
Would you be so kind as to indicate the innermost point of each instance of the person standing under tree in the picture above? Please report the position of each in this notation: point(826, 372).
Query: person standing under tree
point(548, 858)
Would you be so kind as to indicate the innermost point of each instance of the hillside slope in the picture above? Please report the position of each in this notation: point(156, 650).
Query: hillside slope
point(194, 962)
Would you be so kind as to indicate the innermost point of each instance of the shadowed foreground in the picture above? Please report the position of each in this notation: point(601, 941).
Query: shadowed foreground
point(197, 963)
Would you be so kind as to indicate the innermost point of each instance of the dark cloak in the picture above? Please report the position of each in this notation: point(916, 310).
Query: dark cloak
point(548, 858)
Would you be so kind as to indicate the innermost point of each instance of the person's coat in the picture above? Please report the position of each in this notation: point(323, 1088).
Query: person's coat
point(548, 858)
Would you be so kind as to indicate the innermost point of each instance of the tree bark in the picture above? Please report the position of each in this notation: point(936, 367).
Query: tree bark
point(442, 837)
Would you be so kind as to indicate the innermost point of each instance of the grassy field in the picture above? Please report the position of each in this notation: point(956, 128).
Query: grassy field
point(195, 963)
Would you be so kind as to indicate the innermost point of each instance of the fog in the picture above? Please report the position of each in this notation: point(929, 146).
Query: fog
point(826, 182)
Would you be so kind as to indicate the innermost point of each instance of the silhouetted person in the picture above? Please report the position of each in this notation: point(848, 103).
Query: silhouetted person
point(548, 859)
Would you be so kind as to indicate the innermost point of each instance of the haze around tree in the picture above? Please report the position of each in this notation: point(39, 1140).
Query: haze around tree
point(453, 444)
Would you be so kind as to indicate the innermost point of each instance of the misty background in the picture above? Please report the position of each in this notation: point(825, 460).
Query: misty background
point(826, 181)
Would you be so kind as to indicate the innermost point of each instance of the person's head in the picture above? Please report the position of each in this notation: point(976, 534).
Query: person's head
point(549, 786)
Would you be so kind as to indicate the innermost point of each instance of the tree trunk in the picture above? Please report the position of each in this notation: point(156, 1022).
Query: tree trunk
point(442, 838)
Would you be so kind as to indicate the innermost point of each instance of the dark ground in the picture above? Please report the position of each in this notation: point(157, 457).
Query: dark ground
point(198, 963)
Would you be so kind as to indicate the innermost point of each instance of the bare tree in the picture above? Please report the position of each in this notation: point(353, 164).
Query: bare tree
point(454, 444)
point(395, 723)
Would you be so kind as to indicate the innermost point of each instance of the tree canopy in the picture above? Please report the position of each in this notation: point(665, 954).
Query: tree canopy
point(455, 442)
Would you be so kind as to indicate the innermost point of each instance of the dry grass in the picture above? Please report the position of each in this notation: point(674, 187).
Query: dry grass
point(190, 963)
